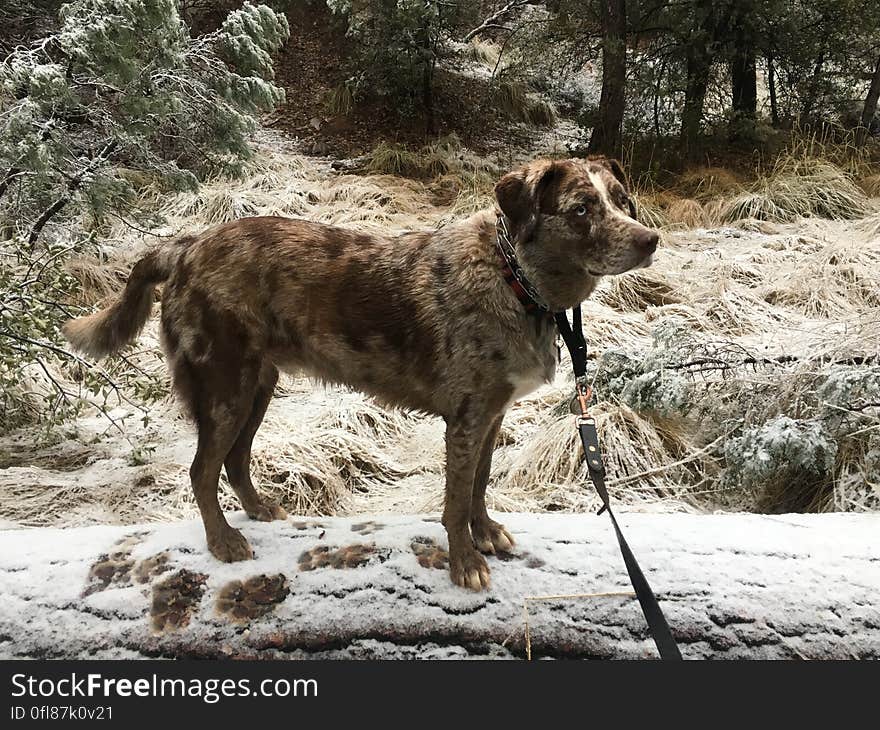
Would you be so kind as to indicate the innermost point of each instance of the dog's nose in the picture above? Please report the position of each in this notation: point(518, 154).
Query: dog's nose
point(647, 241)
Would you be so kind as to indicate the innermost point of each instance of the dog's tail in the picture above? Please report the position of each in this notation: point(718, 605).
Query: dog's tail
point(109, 329)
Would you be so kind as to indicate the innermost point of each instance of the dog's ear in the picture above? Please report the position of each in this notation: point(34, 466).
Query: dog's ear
point(510, 192)
point(521, 198)
point(617, 170)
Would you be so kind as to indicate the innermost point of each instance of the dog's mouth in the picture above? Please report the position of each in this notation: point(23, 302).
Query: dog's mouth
point(643, 264)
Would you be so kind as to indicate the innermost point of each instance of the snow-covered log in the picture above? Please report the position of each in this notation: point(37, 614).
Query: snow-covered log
point(731, 586)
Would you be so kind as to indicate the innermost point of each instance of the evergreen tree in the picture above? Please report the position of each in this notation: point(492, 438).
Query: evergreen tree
point(119, 96)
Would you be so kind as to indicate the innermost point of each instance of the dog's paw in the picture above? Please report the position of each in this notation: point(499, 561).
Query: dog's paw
point(230, 546)
point(491, 537)
point(266, 511)
point(468, 569)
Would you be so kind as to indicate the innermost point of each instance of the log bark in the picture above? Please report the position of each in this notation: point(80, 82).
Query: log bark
point(732, 586)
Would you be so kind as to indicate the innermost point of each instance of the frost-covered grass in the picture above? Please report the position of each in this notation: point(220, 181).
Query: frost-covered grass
point(791, 189)
point(800, 189)
point(519, 103)
point(698, 360)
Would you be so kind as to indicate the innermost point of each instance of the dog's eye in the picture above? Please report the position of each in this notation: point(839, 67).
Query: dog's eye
point(581, 210)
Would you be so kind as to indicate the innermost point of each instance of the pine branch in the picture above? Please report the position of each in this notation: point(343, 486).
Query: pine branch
point(72, 186)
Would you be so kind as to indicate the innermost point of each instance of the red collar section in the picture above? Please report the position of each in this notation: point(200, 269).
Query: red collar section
point(512, 271)
point(528, 303)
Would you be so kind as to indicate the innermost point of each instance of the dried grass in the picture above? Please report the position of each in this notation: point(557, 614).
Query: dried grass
point(483, 51)
point(649, 210)
point(340, 101)
point(519, 103)
point(871, 227)
point(393, 159)
point(800, 188)
point(636, 291)
point(686, 213)
point(870, 184)
point(705, 183)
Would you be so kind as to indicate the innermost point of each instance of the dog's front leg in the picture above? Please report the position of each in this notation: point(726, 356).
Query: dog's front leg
point(465, 434)
point(489, 536)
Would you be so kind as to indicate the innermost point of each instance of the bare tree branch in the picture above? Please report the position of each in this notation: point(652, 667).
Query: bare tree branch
point(493, 20)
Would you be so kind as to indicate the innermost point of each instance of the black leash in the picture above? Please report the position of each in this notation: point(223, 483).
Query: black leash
point(573, 336)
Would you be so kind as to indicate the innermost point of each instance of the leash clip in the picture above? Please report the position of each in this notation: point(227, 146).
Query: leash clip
point(581, 401)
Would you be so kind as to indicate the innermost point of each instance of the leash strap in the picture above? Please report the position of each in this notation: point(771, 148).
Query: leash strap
point(573, 336)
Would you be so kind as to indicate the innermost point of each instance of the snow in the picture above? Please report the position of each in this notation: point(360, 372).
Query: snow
point(732, 585)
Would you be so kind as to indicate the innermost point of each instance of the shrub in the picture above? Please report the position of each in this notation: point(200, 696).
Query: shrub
point(645, 382)
point(122, 84)
point(397, 44)
point(789, 464)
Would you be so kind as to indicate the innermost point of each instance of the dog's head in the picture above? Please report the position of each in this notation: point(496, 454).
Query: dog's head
point(572, 221)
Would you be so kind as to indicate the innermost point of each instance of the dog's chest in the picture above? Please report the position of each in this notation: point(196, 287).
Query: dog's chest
point(533, 365)
point(528, 379)
point(524, 383)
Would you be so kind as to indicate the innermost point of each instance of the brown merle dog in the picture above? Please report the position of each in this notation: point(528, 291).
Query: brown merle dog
point(424, 321)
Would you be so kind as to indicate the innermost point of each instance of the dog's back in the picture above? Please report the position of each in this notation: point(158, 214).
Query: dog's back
point(381, 314)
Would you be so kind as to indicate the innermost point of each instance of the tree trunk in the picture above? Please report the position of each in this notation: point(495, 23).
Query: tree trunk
point(812, 92)
point(870, 108)
point(607, 133)
point(732, 586)
point(428, 63)
point(428, 98)
point(743, 72)
point(771, 90)
point(698, 66)
point(698, 60)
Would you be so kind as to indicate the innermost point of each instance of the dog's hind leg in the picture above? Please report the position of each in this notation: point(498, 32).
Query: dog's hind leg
point(489, 536)
point(238, 459)
point(222, 403)
point(464, 435)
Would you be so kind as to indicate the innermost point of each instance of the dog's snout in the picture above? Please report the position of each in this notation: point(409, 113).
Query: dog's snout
point(647, 241)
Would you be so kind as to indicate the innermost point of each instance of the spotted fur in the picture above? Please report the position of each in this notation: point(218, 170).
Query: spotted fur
point(423, 321)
